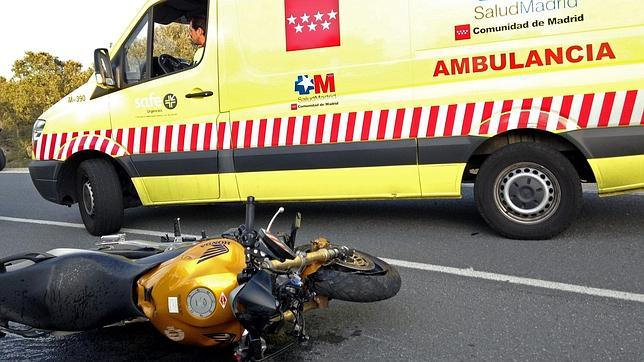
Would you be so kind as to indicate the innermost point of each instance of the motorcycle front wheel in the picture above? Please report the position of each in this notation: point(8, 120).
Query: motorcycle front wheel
point(360, 278)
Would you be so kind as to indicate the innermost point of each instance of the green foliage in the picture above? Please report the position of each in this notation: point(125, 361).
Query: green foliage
point(39, 80)
point(173, 39)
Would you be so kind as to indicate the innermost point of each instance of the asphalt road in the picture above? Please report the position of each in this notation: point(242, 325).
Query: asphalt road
point(439, 314)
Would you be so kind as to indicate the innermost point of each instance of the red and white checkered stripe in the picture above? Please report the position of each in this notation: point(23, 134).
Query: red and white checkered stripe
point(560, 113)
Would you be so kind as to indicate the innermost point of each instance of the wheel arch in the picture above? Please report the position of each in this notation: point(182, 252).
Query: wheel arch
point(575, 153)
point(67, 177)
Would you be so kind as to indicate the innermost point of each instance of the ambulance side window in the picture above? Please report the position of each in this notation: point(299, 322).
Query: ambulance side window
point(136, 53)
point(172, 39)
point(175, 47)
point(162, 42)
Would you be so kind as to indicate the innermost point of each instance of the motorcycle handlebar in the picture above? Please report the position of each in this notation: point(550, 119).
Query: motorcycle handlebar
point(320, 256)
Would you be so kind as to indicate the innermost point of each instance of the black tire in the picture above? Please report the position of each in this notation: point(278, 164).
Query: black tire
point(528, 191)
point(100, 198)
point(3, 160)
point(335, 281)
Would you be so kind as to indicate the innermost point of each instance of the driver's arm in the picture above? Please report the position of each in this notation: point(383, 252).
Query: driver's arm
point(196, 59)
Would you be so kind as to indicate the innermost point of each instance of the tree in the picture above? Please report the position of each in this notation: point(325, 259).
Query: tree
point(7, 118)
point(39, 80)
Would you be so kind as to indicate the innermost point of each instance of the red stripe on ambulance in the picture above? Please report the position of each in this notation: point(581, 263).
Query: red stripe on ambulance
point(569, 112)
point(607, 108)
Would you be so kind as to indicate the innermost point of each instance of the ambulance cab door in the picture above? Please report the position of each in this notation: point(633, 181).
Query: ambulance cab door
point(166, 110)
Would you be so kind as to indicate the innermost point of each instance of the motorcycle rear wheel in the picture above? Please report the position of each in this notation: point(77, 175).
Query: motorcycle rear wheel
point(362, 278)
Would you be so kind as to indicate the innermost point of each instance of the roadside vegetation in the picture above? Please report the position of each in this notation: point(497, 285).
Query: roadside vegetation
point(39, 80)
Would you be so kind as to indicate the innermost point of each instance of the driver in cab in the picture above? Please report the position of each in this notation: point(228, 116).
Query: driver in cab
point(198, 37)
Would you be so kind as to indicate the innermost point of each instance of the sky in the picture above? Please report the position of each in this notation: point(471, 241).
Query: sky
point(68, 29)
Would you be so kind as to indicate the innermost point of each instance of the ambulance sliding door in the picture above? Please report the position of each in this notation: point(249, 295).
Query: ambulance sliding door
point(316, 92)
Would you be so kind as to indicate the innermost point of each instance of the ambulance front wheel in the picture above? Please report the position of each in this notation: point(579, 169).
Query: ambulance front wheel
point(100, 198)
point(528, 191)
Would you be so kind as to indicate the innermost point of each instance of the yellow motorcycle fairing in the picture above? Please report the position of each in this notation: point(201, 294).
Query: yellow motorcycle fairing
point(188, 298)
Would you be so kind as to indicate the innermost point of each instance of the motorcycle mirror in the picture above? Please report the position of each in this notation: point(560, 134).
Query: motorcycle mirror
point(279, 211)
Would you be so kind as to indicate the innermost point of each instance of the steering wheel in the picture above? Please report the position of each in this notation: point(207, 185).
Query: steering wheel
point(170, 64)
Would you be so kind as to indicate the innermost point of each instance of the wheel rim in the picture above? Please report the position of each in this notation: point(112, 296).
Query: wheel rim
point(88, 198)
point(357, 261)
point(527, 193)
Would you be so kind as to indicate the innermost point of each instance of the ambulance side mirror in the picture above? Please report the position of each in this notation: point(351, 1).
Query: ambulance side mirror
point(103, 69)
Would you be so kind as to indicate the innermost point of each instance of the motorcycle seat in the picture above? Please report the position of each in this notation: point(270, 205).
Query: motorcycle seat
point(72, 291)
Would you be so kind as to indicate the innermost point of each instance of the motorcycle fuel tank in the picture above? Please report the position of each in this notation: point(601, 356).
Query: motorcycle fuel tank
point(188, 298)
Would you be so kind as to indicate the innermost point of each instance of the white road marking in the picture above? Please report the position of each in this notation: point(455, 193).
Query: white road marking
point(81, 226)
point(15, 170)
point(537, 283)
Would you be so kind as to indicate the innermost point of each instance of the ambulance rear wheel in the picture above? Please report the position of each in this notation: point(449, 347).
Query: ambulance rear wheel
point(528, 191)
point(100, 199)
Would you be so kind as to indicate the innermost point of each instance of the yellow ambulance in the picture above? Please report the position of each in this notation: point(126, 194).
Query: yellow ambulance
point(205, 101)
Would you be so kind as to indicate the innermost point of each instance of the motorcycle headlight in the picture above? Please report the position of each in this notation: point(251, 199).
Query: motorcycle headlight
point(39, 125)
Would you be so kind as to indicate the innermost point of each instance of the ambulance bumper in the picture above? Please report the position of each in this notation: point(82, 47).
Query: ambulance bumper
point(44, 175)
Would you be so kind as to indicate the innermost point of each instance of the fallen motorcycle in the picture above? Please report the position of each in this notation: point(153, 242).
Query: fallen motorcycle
point(234, 290)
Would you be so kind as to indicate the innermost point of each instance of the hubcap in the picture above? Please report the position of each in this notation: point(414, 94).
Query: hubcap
point(88, 198)
point(527, 193)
